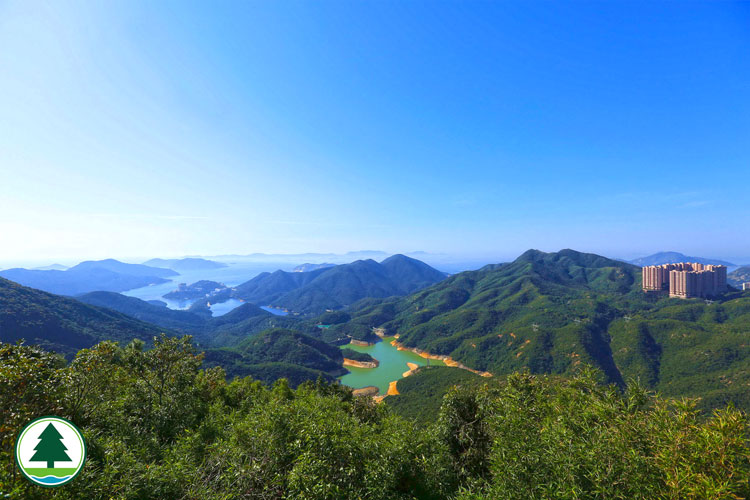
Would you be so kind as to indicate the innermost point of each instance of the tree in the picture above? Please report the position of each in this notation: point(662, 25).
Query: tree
point(50, 448)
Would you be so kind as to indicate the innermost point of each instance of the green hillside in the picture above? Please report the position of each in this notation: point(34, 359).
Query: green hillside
point(65, 325)
point(62, 324)
point(144, 311)
point(159, 427)
point(421, 394)
point(552, 312)
point(279, 353)
point(339, 286)
point(739, 276)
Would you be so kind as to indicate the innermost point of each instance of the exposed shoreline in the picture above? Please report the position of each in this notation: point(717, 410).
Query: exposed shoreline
point(445, 359)
point(361, 343)
point(413, 367)
point(361, 364)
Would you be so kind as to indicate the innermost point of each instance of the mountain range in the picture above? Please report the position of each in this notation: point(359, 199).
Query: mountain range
point(553, 312)
point(316, 291)
point(88, 276)
point(660, 258)
point(544, 312)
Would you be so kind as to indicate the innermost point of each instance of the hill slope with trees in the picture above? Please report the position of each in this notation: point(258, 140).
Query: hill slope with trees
point(551, 312)
point(158, 426)
point(63, 324)
point(339, 286)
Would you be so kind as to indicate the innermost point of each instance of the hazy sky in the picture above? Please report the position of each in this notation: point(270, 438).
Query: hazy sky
point(171, 128)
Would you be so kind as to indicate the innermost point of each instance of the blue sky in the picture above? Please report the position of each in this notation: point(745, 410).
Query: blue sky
point(132, 129)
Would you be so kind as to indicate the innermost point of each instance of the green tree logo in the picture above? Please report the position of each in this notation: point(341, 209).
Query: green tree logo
point(50, 448)
point(50, 451)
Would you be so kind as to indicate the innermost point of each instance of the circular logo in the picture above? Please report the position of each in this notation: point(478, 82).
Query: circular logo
point(50, 451)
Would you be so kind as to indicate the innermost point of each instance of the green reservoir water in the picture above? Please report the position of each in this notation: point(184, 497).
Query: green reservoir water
point(392, 365)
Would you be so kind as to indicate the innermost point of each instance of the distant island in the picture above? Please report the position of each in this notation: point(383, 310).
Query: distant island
point(186, 264)
point(198, 290)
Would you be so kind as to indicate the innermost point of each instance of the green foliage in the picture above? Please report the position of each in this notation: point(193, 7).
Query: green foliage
point(575, 438)
point(421, 394)
point(159, 427)
point(279, 353)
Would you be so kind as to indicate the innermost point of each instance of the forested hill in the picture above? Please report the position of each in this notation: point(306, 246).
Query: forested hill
point(279, 353)
point(145, 311)
point(339, 286)
point(552, 312)
point(739, 276)
point(62, 324)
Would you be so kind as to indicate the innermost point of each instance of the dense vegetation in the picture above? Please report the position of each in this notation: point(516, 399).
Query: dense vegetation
point(550, 313)
point(260, 355)
point(60, 323)
point(339, 286)
point(159, 427)
point(421, 394)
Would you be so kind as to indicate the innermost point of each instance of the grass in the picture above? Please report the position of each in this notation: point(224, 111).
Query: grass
point(46, 471)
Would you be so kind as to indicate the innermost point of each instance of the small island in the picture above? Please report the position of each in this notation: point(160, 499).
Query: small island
point(197, 290)
point(359, 359)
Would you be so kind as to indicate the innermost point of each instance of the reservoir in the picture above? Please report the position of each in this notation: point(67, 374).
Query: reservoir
point(392, 365)
point(222, 308)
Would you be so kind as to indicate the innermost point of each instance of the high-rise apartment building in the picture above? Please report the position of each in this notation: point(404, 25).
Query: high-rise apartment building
point(686, 279)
